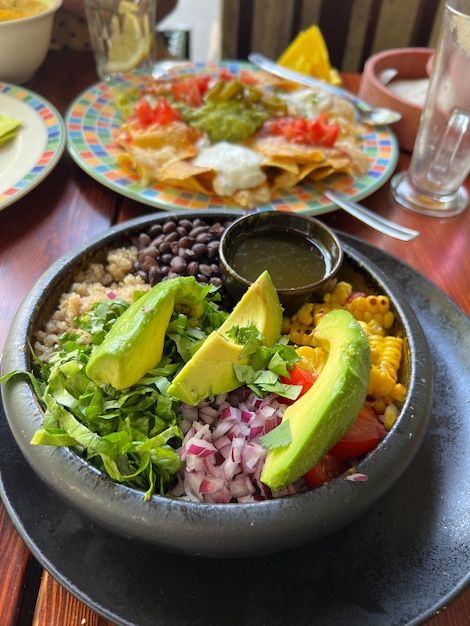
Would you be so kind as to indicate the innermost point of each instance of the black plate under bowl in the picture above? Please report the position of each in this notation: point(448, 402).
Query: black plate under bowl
point(232, 530)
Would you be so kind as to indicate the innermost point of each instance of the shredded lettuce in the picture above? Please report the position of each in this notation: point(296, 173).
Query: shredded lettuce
point(133, 435)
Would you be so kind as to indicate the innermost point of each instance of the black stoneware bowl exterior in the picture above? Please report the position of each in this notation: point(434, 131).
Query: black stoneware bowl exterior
point(283, 222)
point(222, 530)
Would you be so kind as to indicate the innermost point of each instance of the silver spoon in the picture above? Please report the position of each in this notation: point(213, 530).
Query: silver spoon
point(369, 217)
point(366, 114)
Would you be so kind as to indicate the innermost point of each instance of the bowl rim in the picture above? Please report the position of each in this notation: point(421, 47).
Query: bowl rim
point(54, 6)
point(370, 74)
point(242, 529)
point(338, 260)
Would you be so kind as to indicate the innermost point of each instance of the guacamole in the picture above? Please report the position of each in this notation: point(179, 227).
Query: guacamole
point(231, 120)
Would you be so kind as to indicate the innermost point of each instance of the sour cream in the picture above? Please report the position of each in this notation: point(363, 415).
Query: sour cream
point(412, 90)
point(236, 167)
point(307, 102)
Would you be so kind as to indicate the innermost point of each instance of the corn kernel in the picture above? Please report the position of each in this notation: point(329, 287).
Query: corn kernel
point(312, 358)
point(305, 314)
point(390, 416)
point(389, 318)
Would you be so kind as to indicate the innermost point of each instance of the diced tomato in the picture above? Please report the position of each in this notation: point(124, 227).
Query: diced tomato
point(301, 377)
point(191, 90)
point(276, 126)
point(162, 113)
point(318, 131)
point(296, 131)
point(322, 133)
point(224, 74)
point(363, 436)
point(246, 77)
point(203, 81)
point(327, 468)
point(144, 112)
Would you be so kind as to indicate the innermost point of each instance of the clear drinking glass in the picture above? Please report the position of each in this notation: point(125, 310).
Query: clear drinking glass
point(174, 43)
point(122, 34)
point(441, 156)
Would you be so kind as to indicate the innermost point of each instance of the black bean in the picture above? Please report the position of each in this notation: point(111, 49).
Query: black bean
point(155, 275)
point(187, 254)
point(169, 227)
point(200, 250)
point(180, 247)
point(172, 236)
point(178, 265)
point(155, 230)
point(205, 269)
point(204, 237)
point(192, 268)
point(186, 224)
point(197, 231)
point(148, 262)
point(143, 241)
point(151, 251)
point(158, 240)
point(216, 229)
point(165, 247)
point(185, 241)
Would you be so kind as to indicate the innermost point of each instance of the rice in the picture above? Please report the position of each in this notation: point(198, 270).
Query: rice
point(94, 284)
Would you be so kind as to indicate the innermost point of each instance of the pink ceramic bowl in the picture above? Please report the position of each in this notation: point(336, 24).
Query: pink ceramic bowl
point(412, 64)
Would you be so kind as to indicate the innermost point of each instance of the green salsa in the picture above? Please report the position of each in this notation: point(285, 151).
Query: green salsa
point(291, 260)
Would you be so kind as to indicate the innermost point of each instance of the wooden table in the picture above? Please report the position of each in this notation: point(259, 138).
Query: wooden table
point(69, 207)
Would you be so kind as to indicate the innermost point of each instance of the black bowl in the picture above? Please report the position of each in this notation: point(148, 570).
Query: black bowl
point(222, 530)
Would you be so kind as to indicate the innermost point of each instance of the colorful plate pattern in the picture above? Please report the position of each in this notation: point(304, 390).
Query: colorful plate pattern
point(93, 120)
point(28, 158)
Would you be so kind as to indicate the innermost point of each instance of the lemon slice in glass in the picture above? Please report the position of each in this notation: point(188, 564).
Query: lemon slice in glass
point(131, 40)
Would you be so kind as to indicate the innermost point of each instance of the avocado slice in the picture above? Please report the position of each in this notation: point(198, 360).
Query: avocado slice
point(210, 370)
point(134, 345)
point(321, 417)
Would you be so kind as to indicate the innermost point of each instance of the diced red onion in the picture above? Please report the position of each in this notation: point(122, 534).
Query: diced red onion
point(221, 449)
point(357, 477)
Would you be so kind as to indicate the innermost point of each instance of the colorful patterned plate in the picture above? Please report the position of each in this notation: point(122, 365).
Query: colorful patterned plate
point(28, 158)
point(93, 120)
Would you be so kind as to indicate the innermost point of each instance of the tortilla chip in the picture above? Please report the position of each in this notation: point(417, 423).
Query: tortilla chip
point(288, 165)
point(277, 147)
point(251, 198)
point(286, 180)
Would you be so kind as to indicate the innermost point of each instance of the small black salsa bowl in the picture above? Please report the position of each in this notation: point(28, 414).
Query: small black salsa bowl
point(302, 255)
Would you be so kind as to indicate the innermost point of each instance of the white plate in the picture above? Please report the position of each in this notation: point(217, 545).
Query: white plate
point(28, 158)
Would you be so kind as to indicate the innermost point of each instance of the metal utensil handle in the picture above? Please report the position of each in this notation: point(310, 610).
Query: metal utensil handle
point(272, 67)
point(371, 219)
